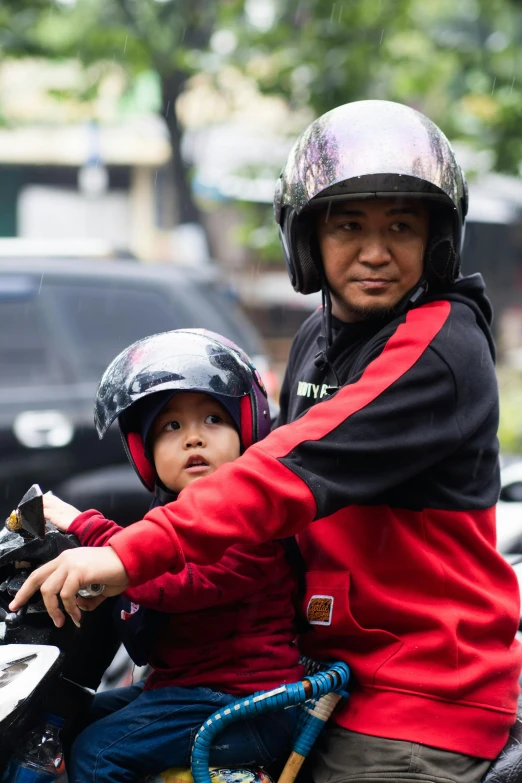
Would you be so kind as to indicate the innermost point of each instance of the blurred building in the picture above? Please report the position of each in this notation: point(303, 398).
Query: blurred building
point(84, 181)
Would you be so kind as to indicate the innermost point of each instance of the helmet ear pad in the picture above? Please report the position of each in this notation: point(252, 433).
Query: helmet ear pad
point(301, 251)
point(442, 258)
point(135, 450)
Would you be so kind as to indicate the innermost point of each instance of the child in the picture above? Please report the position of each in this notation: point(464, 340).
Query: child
point(188, 401)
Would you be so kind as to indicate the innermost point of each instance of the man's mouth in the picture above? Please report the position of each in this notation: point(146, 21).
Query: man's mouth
point(196, 463)
point(373, 282)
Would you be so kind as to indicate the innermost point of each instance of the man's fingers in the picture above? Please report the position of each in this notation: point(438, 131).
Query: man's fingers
point(66, 574)
point(70, 587)
point(50, 589)
point(30, 586)
point(88, 604)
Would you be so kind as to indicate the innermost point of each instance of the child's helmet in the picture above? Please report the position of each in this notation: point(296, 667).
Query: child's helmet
point(180, 360)
point(370, 149)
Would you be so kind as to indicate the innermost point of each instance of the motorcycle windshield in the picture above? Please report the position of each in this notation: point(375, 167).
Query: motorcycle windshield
point(177, 360)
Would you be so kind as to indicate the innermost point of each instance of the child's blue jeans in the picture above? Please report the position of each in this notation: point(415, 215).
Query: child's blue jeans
point(133, 733)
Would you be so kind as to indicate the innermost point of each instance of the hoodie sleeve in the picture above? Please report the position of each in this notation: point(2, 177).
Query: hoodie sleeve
point(241, 572)
point(398, 419)
point(93, 529)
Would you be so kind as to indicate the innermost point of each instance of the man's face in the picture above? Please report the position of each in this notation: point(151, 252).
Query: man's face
point(191, 437)
point(373, 253)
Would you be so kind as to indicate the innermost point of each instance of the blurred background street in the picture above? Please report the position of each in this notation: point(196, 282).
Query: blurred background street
point(140, 141)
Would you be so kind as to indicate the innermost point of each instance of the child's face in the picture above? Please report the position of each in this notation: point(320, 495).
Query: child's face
point(191, 437)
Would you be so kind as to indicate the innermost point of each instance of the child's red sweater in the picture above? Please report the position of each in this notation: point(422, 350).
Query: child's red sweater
point(230, 626)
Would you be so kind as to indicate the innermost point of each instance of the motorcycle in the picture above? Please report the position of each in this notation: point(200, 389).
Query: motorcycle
point(44, 669)
point(57, 670)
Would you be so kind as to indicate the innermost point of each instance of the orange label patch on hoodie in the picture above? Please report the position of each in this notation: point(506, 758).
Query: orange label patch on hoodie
point(319, 610)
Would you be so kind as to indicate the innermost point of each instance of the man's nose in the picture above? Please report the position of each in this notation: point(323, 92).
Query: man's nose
point(374, 250)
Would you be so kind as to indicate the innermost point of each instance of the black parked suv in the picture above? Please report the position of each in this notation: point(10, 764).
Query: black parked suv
point(61, 323)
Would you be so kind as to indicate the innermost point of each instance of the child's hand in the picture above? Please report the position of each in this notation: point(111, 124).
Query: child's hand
point(58, 512)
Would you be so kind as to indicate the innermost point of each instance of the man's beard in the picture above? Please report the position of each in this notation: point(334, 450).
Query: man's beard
point(369, 312)
point(372, 313)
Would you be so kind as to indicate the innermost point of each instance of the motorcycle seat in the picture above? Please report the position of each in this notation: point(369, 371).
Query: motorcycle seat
point(507, 767)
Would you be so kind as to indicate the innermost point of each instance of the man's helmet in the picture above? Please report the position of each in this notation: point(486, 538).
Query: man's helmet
point(370, 149)
point(192, 360)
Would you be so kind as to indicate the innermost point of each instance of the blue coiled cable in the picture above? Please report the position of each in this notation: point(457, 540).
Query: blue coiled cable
point(334, 679)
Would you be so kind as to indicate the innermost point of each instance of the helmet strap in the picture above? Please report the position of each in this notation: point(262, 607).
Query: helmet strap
point(325, 339)
point(163, 494)
point(416, 293)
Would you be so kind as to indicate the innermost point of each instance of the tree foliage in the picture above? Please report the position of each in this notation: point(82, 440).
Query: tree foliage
point(459, 62)
point(140, 35)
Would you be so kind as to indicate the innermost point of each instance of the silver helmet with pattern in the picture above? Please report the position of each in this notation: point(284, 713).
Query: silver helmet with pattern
point(370, 149)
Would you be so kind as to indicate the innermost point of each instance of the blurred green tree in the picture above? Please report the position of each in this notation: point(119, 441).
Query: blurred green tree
point(460, 63)
point(167, 37)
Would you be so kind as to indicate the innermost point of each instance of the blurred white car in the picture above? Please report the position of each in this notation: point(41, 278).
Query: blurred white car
point(509, 508)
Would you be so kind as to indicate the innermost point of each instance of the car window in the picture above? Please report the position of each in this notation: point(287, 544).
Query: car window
point(227, 319)
point(28, 351)
point(102, 321)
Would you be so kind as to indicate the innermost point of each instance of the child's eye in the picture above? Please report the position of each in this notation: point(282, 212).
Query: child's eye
point(172, 425)
point(213, 418)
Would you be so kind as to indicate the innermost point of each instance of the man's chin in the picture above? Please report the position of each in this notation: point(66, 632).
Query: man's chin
point(367, 310)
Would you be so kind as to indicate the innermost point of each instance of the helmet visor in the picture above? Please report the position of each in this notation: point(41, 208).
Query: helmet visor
point(177, 361)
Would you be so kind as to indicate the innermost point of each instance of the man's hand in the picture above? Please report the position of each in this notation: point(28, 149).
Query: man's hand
point(58, 512)
point(66, 574)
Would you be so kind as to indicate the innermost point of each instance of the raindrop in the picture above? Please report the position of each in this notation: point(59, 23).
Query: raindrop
point(494, 82)
point(333, 11)
point(156, 178)
point(40, 286)
point(125, 45)
point(512, 85)
point(167, 111)
point(382, 35)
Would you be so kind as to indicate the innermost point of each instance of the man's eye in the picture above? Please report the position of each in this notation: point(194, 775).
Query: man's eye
point(400, 227)
point(213, 419)
point(172, 425)
point(352, 225)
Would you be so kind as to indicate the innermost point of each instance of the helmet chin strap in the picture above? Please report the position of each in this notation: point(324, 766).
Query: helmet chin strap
point(419, 290)
point(325, 339)
point(163, 494)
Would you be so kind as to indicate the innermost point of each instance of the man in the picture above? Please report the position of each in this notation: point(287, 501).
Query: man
point(389, 450)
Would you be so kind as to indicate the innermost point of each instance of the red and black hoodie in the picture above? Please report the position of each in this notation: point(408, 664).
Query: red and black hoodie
point(391, 485)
